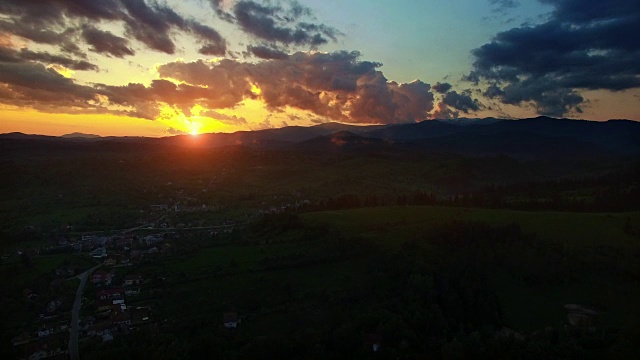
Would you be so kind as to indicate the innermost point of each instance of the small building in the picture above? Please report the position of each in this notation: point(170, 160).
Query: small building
point(132, 292)
point(230, 320)
point(110, 294)
point(99, 253)
point(103, 306)
point(21, 339)
point(372, 342)
point(136, 279)
point(29, 294)
point(580, 316)
point(121, 319)
point(102, 277)
point(44, 349)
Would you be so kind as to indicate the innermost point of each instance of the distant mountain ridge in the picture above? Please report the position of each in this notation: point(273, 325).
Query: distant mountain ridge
point(79, 135)
point(525, 138)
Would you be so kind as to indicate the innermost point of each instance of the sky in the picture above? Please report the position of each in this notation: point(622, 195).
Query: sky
point(167, 67)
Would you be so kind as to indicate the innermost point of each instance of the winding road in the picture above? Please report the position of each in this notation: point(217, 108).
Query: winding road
point(74, 351)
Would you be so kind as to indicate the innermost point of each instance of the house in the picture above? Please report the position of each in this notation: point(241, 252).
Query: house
point(29, 294)
point(21, 339)
point(99, 252)
point(153, 239)
point(99, 329)
point(580, 316)
point(132, 292)
point(53, 306)
point(65, 271)
point(103, 305)
point(45, 349)
point(87, 321)
point(102, 277)
point(110, 294)
point(121, 319)
point(133, 280)
point(140, 315)
point(372, 342)
point(36, 352)
point(230, 320)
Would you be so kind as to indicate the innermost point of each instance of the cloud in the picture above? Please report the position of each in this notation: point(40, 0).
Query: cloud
point(442, 111)
point(462, 102)
point(55, 22)
point(34, 85)
point(334, 85)
point(503, 5)
point(442, 88)
point(106, 43)
point(585, 45)
point(26, 55)
point(225, 119)
point(173, 131)
point(268, 53)
point(286, 25)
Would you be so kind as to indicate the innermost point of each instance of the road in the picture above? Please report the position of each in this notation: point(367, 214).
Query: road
point(74, 351)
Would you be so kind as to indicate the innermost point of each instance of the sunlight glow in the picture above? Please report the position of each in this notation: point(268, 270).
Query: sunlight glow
point(66, 72)
point(194, 122)
point(256, 90)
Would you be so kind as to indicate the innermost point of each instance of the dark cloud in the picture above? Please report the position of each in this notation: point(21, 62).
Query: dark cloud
point(462, 102)
point(32, 84)
point(214, 43)
point(25, 55)
point(106, 43)
point(32, 32)
point(173, 131)
point(503, 5)
point(283, 25)
point(225, 119)
point(442, 88)
point(585, 45)
point(267, 53)
point(153, 24)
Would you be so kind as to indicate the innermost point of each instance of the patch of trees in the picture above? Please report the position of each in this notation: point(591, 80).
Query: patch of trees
point(617, 191)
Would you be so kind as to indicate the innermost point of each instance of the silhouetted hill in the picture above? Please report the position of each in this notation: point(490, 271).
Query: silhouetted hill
point(345, 141)
point(536, 137)
point(422, 130)
point(615, 136)
point(22, 136)
point(78, 135)
point(470, 121)
point(522, 145)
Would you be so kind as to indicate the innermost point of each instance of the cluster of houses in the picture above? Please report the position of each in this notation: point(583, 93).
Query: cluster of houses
point(111, 315)
point(48, 336)
point(55, 347)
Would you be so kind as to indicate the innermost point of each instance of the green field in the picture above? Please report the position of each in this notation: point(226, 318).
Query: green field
point(569, 229)
point(608, 279)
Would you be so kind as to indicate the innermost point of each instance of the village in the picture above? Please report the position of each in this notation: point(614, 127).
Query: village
point(116, 299)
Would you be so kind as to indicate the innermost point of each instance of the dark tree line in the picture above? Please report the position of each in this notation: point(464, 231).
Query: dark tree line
point(619, 191)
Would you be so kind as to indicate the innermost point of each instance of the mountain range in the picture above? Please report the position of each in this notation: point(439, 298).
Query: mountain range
point(540, 137)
